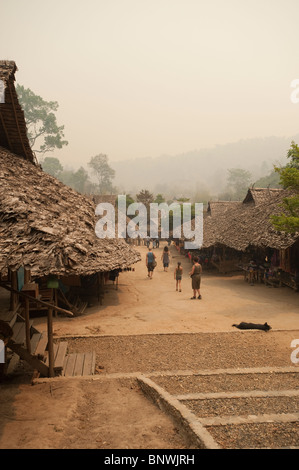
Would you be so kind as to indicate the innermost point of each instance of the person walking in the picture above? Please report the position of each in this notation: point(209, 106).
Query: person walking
point(165, 258)
point(178, 273)
point(195, 274)
point(150, 262)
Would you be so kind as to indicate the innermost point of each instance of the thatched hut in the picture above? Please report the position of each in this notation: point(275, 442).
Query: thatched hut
point(247, 229)
point(249, 223)
point(235, 231)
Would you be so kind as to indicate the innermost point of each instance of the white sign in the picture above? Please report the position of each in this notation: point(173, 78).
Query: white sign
point(295, 353)
point(137, 227)
point(2, 352)
point(295, 93)
point(2, 92)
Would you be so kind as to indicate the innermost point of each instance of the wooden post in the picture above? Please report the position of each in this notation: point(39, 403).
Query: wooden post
point(50, 342)
point(55, 299)
point(14, 285)
point(98, 286)
point(27, 326)
point(102, 288)
point(27, 278)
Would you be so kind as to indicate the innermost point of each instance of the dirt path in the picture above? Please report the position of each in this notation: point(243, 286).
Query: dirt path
point(146, 327)
point(144, 306)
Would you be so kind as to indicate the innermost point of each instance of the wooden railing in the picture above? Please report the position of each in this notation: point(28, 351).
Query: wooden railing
point(50, 308)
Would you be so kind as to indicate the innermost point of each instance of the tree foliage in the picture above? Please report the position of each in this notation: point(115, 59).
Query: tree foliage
point(288, 221)
point(146, 197)
point(52, 166)
point(43, 132)
point(103, 172)
point(238, 181)
point(159, 199)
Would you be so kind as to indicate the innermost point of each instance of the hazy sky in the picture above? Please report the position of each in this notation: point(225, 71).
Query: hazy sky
point(136, 78)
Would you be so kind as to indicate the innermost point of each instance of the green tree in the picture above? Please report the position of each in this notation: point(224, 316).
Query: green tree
point(80, 178)
point(159, 199)
point(129, 200)
point(43, 132)
point(238, 181)
point(293, 155)
point(103, 172)
point(183, 199)
point(52, 166)
point(288, 221)
point(145, 197)
point(270, 181)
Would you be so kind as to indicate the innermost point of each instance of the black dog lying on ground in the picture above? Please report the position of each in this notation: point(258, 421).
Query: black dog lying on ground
point(252, 326)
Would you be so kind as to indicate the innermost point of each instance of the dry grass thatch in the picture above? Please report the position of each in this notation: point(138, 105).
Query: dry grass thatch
point(13, 130)
point(106, 198)
point(248, 223)
point(50, 228)
point(239, 225)
point(219, 207)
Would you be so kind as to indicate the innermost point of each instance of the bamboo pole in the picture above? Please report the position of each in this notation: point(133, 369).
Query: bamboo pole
point(50, 342)
point(27, 276)
point(27, 326)
point(14, 291)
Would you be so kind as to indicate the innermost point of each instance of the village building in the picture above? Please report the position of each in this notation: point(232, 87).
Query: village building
point(50, 257)
point(240, 235)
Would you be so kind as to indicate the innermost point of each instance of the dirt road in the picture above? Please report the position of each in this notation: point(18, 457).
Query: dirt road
point(144, 306)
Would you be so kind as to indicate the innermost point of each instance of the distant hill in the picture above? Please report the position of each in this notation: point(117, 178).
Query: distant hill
point(206, 168)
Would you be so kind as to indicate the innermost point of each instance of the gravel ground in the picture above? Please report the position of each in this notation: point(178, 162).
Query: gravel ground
point(196, 351)
point(243, 406)
point(254, 436)
point(228, 382)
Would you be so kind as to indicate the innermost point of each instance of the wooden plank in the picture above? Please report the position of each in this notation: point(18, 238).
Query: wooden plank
point(69, 365)
point(42, 345)
point(93, 362)
point(59, 359)
point(32, 360)
point(35, 339)
point(9, 316)
point(27, 326)
point(78, 369)
point(21, 336)
point(16, 329)
point(51, 349)
point(89, 363)
point(13, 363)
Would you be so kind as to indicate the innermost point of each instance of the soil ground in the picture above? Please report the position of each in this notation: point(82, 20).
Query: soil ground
point(146, 327)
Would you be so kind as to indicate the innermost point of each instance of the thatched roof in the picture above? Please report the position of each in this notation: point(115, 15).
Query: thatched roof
point(218, 207)
point(50, 228)
point(248, 223)
point(107, 198)
point(13, 131)
point(261, 195)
